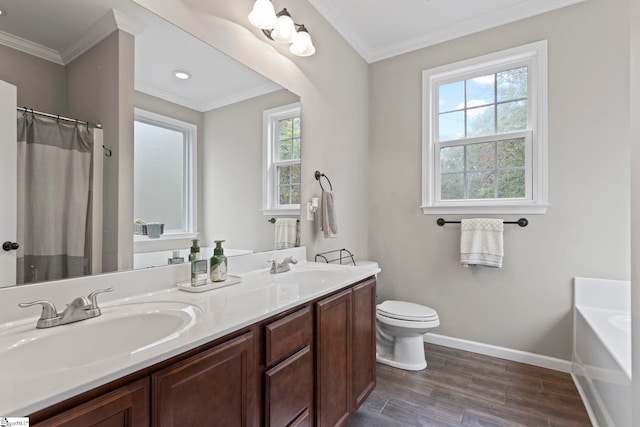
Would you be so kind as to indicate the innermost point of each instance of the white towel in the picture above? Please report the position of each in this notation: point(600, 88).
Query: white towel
point(286, 233)
point(329, 225)
point(481, 242)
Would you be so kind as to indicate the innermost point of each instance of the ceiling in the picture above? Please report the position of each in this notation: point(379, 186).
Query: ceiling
point(61, 33)
point(379, 29)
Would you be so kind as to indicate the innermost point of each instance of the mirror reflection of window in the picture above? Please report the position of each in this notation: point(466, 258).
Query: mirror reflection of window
point(164, 153)
point(282, 163)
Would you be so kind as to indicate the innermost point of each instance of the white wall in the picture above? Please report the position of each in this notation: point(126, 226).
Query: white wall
point(527, 304)
point(333, 88)
point(232, 173)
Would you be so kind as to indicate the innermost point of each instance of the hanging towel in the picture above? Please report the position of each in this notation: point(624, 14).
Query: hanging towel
point(329, 225)
point(286, 233)
point(481, 242)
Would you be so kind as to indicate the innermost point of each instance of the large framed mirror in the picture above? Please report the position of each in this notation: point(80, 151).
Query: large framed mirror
point(114, 63)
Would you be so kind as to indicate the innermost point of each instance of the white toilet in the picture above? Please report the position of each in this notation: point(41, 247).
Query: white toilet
point(399, 329)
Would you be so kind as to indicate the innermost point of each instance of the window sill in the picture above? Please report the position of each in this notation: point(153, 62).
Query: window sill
point(479, 209)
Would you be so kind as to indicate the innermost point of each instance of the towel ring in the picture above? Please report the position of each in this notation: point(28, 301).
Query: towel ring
point(319, 175)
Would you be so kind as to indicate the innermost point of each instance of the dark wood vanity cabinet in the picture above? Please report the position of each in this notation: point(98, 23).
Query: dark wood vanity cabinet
point(215, 387)
point(345, 366)
point(313, 365)
point(127, 406)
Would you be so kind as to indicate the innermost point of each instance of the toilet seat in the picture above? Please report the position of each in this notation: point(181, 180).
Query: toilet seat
point(406, 311)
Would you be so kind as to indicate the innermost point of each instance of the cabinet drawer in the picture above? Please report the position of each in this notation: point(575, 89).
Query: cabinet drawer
point(287, 335)
point(289, 389)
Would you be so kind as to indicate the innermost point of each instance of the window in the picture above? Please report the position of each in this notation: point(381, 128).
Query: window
point(484, 134)
point(281, 195)
point(164, 172)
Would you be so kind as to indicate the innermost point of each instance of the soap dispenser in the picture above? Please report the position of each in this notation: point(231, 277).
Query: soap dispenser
point(218, 264)
point(195, 249)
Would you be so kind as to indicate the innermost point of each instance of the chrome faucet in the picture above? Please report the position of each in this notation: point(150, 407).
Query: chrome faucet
point(80, 308)
point(282, 267)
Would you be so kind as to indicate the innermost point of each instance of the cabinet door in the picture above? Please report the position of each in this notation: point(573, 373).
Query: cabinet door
point(333, 349)
point(364, 342)
point(127, 406)
point(289, 389)
point(215, 387)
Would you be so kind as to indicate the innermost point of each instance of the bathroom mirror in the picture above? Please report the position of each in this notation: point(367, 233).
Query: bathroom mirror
point(227, 109)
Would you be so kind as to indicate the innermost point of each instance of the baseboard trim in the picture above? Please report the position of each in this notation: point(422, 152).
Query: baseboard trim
point(501, 352)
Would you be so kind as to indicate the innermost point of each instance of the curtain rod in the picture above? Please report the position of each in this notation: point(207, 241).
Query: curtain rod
point(58, 117)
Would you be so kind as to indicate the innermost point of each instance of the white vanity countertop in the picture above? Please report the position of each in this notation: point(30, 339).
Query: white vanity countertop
point(260, 295)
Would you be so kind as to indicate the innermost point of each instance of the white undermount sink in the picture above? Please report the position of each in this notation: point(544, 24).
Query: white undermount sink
point(312, 273)
point(124, 329)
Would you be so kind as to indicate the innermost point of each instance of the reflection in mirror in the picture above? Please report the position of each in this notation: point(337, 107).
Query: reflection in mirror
point(81, 65)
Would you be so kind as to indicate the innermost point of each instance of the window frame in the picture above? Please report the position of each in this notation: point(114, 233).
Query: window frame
point(534, 56)
point(189, 178)
point(270, 119)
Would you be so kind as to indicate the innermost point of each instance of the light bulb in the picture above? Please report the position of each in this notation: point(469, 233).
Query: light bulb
point(302, 45)
point(285, 30)
point(263, 15)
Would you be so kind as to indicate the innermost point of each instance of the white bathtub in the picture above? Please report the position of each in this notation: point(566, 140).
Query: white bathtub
point(602, 349)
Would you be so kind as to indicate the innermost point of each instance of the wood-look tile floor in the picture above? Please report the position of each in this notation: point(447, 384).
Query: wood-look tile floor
point(460, 388)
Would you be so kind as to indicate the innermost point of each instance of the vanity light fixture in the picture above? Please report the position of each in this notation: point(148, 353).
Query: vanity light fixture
point(281, 28)
point(182, 75)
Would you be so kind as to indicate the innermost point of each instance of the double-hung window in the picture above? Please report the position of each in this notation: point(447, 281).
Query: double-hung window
point(484, 134)
point(282, 143)
point(164, 172)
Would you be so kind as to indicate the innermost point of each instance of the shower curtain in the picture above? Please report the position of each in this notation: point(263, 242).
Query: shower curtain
point(54, 199)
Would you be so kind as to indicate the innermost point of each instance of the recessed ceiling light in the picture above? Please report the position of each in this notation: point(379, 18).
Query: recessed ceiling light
point(182, 75)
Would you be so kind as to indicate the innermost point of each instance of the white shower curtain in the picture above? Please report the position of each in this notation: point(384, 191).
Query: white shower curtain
point(54, 183)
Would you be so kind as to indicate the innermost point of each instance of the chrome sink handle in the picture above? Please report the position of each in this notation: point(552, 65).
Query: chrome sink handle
point(49, 316)
point(93, 297)
point(48, 309)
point(274, 266)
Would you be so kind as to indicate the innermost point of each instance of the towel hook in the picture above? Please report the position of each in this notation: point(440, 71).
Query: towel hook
point(319, 175)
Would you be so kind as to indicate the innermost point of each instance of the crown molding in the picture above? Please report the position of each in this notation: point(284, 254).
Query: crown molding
point(30, 47)
point(110, 22)
point(207, 106)
point(506, 15)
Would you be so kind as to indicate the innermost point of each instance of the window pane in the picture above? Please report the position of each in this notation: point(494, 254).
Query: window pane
point(296, 127)
point(283, 192)
point(283, 175)
point(295, 194)
point(481, 121)
point(158, 169)
point(481, 90)
point(451, 126)
point(452, 159)
point(511, 183)
point(512, 84)
point(286, 129)
point(481, 156)
point(452, 186)
point(481, 185)
point(284, 150)
point(451, 97)
point(295, 152)
point(511, 153)
point(512, 116)
point(295, 174)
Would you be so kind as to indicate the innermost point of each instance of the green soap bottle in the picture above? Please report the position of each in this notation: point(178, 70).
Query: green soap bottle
point(218, 263)
point(195, 249)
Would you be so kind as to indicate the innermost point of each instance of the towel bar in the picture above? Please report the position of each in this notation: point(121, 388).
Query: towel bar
point(273, 220)
point(522, 222)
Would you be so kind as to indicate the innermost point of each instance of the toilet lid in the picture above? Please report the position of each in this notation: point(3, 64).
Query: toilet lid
point(406, 311)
